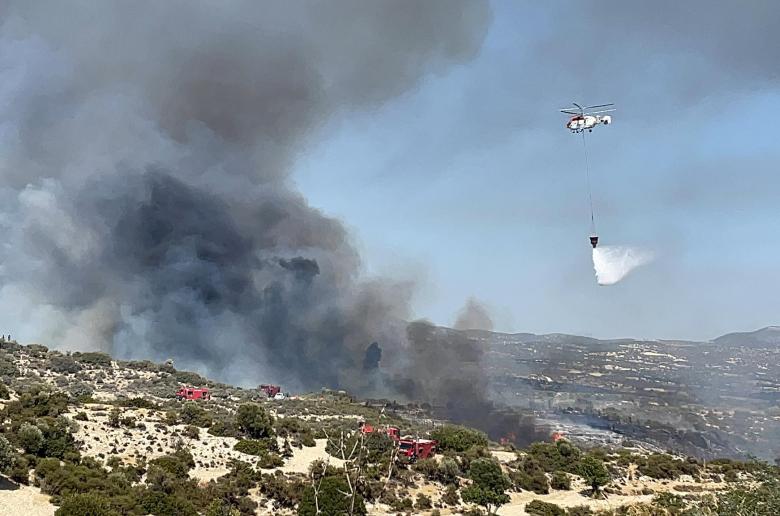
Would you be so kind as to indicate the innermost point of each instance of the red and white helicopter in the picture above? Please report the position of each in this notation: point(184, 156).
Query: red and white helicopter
point(584, 119)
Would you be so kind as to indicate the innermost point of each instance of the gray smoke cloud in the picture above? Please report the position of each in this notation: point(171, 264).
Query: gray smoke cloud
point(473, 316)
point(145, 152)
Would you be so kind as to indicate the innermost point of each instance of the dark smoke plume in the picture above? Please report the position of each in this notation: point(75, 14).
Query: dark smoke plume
point(474, 316)
point(145, 152)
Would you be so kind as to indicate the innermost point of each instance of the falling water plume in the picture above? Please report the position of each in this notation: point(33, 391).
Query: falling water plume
point(613, 263)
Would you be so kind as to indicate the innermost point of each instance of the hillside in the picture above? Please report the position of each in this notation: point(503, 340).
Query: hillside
point(84, 431)
point(708, 399)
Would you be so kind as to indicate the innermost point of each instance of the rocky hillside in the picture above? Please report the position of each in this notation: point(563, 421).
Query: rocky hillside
point(85, 434)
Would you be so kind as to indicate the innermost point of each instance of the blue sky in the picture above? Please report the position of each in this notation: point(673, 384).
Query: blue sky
point(471, 185)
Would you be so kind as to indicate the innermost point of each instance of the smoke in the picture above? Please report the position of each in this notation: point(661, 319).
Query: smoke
point(445, 368)
point(145, 154)
point(473, 316)
point(613, 263)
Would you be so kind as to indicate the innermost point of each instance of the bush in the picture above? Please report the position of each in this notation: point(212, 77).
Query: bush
point(594, 472)
point(270, 461)
point(562, 456)
point(7, 455)
point(489, 485)
point(81, 416)
point(561, 481)
point(458, 438)
point(4, 392)
point(257, 447)
point(63, 364)
point(450, 496)
point(331, 499)
point(254, 421)
point(177, 463)
point(530, 477)
point(85, 505)
point(138, 403)
point(579, 510)
point(7, 368)
point(30, 438)
point(115, 418)
point(285, 493)
point(191, 431)
point(662, 466)
point(540, 508)
point(422, 502)
point(93, 358)
point(192, 414)
point(224, 429)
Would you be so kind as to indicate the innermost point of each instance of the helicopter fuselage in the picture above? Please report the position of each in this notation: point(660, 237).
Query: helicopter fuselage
point(579, 123)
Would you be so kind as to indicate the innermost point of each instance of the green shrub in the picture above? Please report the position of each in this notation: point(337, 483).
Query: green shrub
point(63, 364)
point(561, 481)
point(193, 414)
point(540, 508)
point(30, 438)
point(562, 456)
point(191, 431)
point(177, 463)
point(257, 447)
point(93, 358)
point(4, 392)
point(270, 461)
point(138, 403)
point(224, 429)
point(458, 438)
point(450, 496)
point(7, 368)
point(115, 418)
point(422, 502)
point(662, 466)
point(189, 378)
point(85, 505)
point(530, 477)
point(285, 493)
point(7, 455)
point(579, 510)
point(253, 420)
point(489, 485)
point(331, 499)
point(81, 416)
point(594, 472)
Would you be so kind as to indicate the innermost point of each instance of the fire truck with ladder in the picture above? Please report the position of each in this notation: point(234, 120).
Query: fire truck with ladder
point(411, 448)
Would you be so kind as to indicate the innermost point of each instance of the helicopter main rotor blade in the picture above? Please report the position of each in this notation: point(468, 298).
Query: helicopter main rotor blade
point(570, 112)
point(599, 106)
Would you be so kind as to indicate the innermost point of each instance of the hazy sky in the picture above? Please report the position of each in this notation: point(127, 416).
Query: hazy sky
point(472, 185)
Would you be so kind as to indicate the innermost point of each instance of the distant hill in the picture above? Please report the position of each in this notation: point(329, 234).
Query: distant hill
point(769, 336)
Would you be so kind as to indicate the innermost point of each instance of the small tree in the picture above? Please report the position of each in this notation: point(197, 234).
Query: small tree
point(540, 508)
point(594, 472)
point(7, 455)
point(255, 421)
point(115, 418)
point(31, 438)
point(85, 505)
point(332, 496)
point(490, 484)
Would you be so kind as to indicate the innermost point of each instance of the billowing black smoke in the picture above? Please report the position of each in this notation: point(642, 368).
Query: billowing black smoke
point(445, 369)
point(145, 152)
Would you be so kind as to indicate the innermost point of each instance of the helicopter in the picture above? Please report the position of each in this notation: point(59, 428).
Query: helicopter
point(585, 119)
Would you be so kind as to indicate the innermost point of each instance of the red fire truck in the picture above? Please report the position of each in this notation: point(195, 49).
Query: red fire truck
point(409, 447)
point(192, 393)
